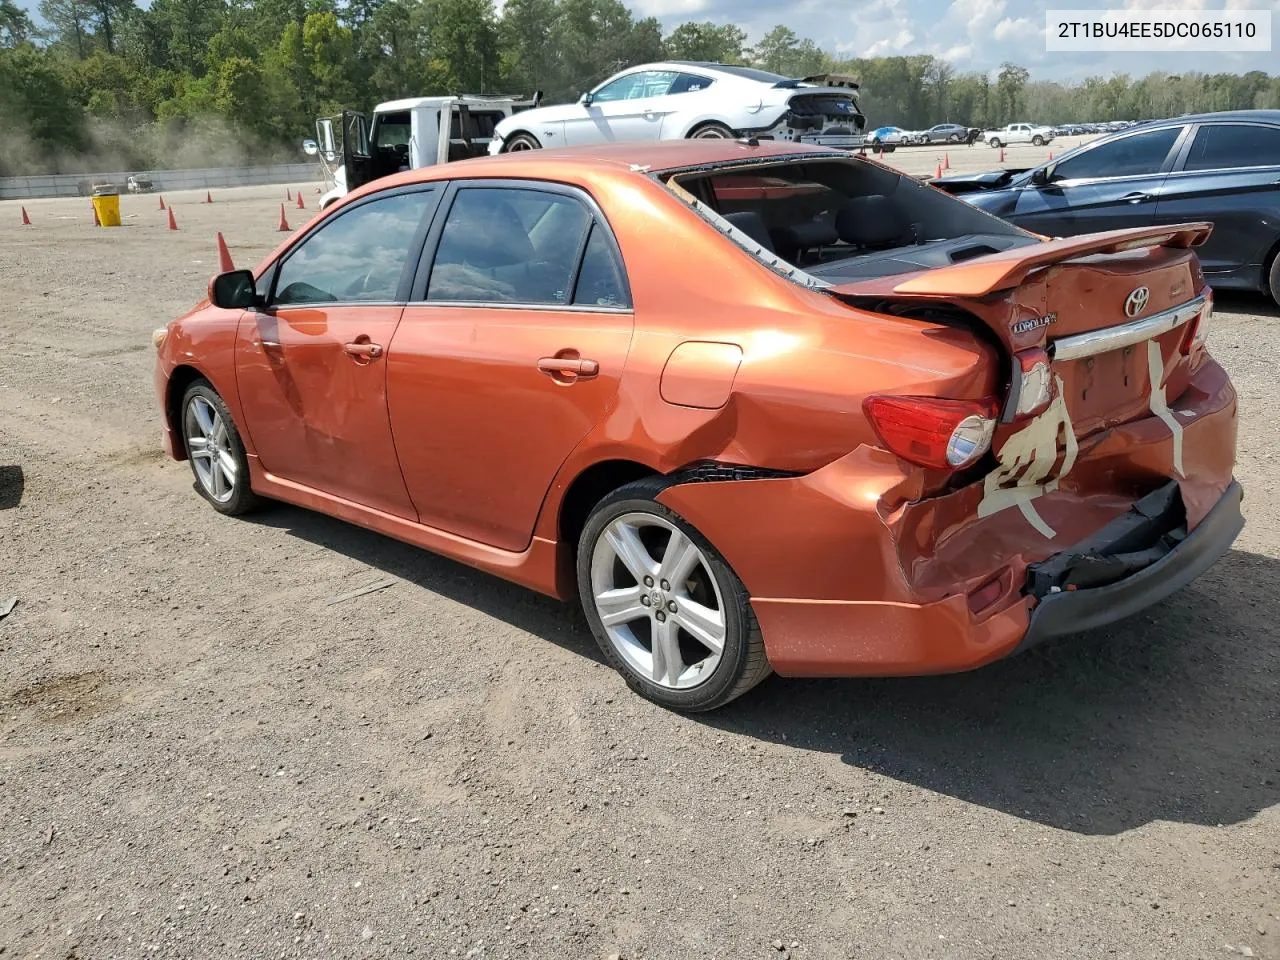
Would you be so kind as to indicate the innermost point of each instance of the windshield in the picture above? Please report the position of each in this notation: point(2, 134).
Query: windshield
point(830, 220)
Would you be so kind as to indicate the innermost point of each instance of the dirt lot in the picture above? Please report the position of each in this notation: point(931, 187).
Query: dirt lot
point(200, 757)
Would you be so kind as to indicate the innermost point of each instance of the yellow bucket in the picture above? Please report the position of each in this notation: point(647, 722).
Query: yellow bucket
point(108, 209)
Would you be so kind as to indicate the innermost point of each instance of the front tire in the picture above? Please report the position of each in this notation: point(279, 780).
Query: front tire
point(215, 451)
point(711, 131)
point(1037, 141)
point(1273, 278)
point(995, 143)
point(521, 141)
point(667, 611)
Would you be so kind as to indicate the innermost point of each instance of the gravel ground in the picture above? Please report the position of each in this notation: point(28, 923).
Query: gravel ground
point(201, 757)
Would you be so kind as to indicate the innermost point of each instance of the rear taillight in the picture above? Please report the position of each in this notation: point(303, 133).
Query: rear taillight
point(931, 432)
point(1031, 385)
point(1198, 328)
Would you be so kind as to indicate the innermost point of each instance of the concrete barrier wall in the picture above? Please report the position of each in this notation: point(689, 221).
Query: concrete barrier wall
point(68, 184)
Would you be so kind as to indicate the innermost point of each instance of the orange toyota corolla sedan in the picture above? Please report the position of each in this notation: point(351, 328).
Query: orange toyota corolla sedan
point(759, 406)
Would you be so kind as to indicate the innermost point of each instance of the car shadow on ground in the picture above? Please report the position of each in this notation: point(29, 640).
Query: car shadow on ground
point(12, 484)
point(1242, 303)
point(542, 616)
point(1170, 715)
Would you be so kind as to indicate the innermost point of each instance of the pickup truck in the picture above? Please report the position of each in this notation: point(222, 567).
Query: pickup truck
point(1019, 133)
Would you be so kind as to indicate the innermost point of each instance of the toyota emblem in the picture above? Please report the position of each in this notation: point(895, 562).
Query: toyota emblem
point(1136, 302)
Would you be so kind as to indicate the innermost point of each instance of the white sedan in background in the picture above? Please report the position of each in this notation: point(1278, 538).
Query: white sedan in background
point(674, 100)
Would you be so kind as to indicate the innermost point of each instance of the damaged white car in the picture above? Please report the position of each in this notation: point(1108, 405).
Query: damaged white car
point(676, 100)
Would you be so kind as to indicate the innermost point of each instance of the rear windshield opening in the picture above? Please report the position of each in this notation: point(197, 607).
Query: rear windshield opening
point(840, 219)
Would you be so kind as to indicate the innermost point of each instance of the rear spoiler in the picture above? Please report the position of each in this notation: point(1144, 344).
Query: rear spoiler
point(1008, 268)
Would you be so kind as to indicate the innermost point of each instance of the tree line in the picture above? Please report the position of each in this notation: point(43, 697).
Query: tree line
point(107, 84)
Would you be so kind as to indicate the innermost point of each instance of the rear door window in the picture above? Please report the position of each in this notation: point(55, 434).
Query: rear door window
point(1226, 146)
point(512, 245)
point(1141, 154)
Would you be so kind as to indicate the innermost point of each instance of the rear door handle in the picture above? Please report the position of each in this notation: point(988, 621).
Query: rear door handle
point(1135, 197)
point(363, 349)
point(569, 367)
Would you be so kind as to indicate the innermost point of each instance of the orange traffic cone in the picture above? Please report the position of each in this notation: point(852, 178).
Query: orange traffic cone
point(225, 265)
point(946, 161)
point(284, 224)
point(1002, 154)
point(162, 201)
point(96, 221)
point(1050, 154)
point(287, 194)
point(937, 172)
point(301, 204)
point(208, 197)
point(173, 224)
point(26, 221)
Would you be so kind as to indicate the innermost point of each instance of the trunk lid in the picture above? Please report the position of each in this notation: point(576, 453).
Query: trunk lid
point(1112, 311)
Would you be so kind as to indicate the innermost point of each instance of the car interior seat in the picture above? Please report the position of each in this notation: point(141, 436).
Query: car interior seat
point(874, 222)
point(753, 225)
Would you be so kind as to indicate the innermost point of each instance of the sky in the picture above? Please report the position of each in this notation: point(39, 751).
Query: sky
point(974, 35)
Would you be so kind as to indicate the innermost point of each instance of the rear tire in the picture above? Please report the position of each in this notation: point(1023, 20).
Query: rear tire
point(1273, 278)
point(215, 451)
point(711, 131)
point(521, 141)
point(671, 600)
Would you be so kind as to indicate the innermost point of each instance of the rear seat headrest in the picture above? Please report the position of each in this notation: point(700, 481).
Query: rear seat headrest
point(872, 221)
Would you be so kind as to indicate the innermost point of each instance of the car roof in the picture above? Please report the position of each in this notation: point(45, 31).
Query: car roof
point(1265, 116)
point(639, 158)
point(766, 77)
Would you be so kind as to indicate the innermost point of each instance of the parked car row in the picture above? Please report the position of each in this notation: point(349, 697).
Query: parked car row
point(136, 183)
point(887, 138)
point(1090, 129)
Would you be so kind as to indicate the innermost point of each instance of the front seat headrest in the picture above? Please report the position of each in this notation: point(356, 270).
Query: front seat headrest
point(752, 224)
point(872, 221)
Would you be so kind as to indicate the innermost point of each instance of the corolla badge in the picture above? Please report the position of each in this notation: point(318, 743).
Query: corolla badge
point(1034, 323)
point(1136, 302)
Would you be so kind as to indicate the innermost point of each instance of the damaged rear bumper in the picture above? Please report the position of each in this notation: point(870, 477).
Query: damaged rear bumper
point(852, 571)
point(1137, 559)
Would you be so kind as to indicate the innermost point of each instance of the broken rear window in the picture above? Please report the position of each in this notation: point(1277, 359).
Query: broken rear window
point(830, 219)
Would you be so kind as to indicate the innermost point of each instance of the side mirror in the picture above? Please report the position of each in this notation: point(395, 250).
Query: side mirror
point(310, 147)
point(586, 99)
point(233, 290)
point(1043, 176)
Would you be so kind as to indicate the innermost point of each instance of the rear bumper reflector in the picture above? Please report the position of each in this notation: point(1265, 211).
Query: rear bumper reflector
point(1127, 334)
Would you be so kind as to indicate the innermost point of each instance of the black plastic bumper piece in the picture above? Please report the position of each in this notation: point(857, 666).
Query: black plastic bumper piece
point(1169, 559)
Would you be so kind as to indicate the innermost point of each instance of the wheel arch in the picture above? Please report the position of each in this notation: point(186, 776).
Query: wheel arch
point(1267, 262)
point(591, 485)
point(180, 378)
point(519, 131)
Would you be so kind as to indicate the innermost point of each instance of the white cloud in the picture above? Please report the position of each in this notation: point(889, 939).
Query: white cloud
point(1019, 29)
point(890, 46)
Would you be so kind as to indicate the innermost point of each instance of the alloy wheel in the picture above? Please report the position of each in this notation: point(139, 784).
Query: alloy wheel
point(209, 446)
point(657, 600)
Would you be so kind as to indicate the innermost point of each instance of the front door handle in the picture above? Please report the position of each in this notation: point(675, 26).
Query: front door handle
point(569, 368)
point(362, 349)
point(1135, 197)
